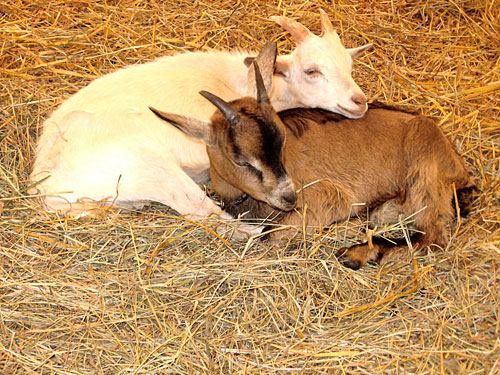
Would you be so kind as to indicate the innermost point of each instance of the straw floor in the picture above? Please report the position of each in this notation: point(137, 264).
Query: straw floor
point(147, 292)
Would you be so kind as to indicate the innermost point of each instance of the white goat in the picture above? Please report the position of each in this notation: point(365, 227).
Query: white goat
point(103, 145)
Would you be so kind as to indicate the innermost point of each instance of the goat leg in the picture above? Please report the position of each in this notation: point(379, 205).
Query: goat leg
point(379, 251)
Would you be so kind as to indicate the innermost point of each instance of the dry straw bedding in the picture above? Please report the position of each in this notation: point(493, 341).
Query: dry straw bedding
point(147, 292)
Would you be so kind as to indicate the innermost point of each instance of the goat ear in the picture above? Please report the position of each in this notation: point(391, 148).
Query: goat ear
point(266, 60)
point(326, 24)
point(248, 61)
point(282, 69)
point(356, 52)
point(192, 127)
point(230, 114)
point(298, 31)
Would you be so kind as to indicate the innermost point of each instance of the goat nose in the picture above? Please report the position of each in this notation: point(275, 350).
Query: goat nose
point(290, 198)
point(359, 99)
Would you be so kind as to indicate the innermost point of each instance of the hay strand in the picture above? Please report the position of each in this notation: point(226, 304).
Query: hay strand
point(148, 292)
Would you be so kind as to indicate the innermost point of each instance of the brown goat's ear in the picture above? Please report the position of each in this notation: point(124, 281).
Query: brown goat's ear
point(192, 127)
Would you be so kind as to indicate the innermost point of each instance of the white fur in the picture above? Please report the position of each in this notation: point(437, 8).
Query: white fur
point(103, 145)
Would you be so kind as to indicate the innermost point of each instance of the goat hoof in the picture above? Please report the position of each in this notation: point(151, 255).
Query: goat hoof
point(351, 263)
point(356, 256)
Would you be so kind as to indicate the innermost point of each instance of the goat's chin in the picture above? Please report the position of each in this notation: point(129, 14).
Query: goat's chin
point(281, 207)
point(356, 117)
point(351, 114)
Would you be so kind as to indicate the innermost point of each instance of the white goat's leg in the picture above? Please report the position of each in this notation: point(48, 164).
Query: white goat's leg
point(188, 199)
point(184, 196)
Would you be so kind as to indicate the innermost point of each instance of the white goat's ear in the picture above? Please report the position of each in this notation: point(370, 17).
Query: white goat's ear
point(298, 31)
point(192, 127)
point(356, 52)
point(282, 69)
point(266, 60)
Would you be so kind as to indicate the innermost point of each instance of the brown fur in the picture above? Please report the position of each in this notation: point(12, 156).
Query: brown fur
point(394, 161)
point(237, 151)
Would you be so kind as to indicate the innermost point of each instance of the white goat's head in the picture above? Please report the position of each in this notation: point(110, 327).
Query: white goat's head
point(318, 71)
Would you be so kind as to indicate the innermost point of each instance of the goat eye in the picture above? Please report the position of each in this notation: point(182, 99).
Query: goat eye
point(312, 72)
point(250, 167)
point(241, 163)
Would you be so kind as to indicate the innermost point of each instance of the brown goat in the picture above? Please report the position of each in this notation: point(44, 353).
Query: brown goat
point(393, 161)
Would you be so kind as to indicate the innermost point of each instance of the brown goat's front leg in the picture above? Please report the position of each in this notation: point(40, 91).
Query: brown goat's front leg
point(318, 204)
point(305, 219)
point(288, 226)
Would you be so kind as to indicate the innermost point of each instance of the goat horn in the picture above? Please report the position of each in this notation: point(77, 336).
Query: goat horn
point(326, 24)
point(230, 114)
point(298, 31)
point(261, 88)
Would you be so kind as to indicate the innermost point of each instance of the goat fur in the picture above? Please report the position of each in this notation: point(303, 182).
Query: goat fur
point(103, 146)
point(396, 163)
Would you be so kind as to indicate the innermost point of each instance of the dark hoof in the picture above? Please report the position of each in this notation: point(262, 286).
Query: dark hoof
point(351, 263)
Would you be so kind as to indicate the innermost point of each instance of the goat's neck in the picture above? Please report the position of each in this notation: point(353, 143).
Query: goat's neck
point(239, 80)
point(231, 70)
point(281, 97)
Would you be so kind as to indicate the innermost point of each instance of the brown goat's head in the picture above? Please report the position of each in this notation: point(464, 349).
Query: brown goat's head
point(245, 140)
